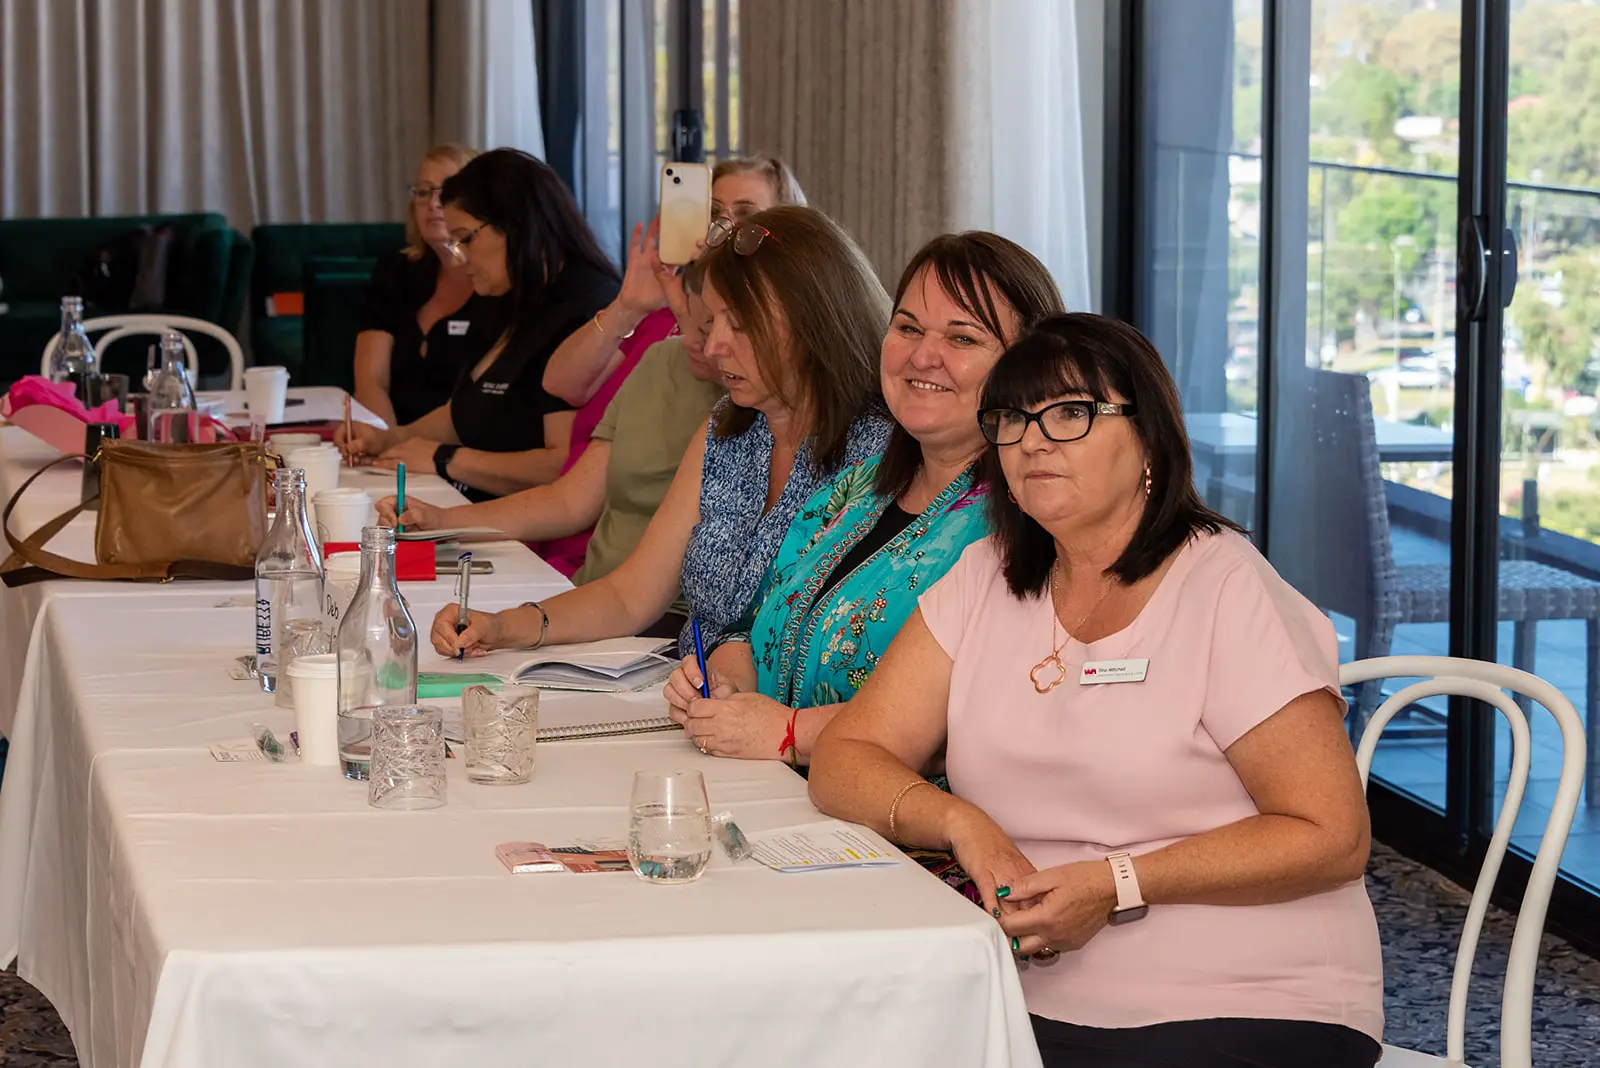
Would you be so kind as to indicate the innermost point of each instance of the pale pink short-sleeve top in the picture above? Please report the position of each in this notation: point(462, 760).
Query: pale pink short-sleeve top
point(1087, 770)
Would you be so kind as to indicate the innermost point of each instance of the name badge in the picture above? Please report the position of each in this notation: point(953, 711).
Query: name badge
point(457, 327)
point(1101, 671)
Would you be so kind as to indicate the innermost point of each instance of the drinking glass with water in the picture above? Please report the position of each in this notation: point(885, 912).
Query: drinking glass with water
point(669, 827)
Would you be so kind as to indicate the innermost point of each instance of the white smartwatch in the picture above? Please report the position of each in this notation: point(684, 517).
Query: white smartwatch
point(1130, 902)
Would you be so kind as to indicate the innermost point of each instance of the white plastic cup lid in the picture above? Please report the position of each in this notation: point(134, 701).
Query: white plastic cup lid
point(342, 564)
point(315, 666)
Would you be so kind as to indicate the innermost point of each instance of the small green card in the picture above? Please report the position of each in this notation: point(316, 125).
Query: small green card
point(440, 684)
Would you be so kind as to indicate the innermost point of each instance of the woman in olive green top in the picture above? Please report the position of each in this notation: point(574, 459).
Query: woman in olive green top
point(618, 483)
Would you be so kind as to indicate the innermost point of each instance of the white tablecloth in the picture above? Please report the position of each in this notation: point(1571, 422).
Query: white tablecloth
point(21, 454)
point(182, 912)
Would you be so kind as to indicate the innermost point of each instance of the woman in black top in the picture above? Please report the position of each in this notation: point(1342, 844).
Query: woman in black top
point(421, 324)
point(517, 231)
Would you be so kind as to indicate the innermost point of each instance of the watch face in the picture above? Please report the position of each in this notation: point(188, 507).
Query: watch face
point(1122, 916)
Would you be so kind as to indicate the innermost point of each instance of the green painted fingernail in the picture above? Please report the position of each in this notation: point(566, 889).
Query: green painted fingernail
point(1004, 891)
point(997, 912)
point(1016, 944)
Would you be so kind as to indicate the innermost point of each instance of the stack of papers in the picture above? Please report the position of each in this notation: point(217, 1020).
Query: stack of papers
point(819, 846)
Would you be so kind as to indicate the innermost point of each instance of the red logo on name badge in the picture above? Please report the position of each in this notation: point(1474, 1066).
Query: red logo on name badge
point(1090, 671)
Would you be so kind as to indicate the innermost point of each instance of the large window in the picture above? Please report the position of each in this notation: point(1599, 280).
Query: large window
point(1307, 172)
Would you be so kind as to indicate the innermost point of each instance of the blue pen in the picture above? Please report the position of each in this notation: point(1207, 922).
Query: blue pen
point(400, 497)
point(700, 659)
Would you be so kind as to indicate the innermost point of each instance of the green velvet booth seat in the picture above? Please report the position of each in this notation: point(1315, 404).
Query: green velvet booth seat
point(41, 259)
point(324, 267)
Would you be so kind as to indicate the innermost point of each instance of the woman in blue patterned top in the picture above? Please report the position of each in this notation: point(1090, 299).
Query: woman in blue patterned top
point(863, 549)
point(796, 317)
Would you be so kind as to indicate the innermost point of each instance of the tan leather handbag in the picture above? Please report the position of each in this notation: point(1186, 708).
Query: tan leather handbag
point(166, 512)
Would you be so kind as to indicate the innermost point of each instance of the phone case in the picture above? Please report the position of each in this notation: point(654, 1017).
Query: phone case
point(685, 210)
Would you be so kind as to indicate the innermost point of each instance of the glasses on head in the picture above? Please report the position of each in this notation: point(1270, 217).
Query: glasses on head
point(457, 246)
point(746, 237)
point(424, 192)
point(1063, 421)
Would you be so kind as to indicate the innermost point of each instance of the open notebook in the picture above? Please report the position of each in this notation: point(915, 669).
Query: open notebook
point(616, 665)
point(453, 534)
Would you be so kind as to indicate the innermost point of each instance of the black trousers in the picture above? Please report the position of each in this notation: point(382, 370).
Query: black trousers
point(1221, 1043)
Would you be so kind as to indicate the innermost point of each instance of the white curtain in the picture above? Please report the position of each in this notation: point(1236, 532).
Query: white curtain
point(486, 82)
point(264, 110)
point(907, 118)
point(1018, 124)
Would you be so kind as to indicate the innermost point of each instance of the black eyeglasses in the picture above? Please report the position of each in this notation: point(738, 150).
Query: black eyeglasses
point(1063, 421)
point(424, 192)
point(747, 237)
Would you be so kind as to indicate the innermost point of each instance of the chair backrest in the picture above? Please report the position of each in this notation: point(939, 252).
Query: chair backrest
point(1488, 683)
point(120, 326)
point(1344, 562)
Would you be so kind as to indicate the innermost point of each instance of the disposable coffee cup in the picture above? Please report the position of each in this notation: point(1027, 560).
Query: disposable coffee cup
point(265, 391)
point(321, 465)
point(341, 513)
point(316, 708)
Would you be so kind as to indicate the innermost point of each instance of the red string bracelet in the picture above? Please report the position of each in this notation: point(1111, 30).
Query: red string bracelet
point(789, 742)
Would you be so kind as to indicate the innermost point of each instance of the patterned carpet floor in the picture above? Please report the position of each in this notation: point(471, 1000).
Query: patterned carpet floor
point(1419, 914)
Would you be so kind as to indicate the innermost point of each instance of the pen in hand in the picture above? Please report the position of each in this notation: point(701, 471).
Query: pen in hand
point(399, 497)
point(463, 582)
point(700, 658)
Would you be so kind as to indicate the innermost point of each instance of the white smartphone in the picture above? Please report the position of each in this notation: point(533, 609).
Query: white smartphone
point(685, 210)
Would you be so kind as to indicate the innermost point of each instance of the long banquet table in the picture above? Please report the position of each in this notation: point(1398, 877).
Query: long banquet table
point(179, 911)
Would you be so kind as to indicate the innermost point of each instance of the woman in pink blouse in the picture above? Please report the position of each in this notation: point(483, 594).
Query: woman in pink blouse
point(1151, 783)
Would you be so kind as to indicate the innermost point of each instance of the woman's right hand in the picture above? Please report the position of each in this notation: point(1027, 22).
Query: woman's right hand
point(481, 636)
point(419, 515)
point(641, 291)
point(364, 442)
point(986, 853)
point(684, 686)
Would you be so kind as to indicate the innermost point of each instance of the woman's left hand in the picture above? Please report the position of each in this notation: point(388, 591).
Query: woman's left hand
point(747, 726)
point(1060, 908)
point(415, 453)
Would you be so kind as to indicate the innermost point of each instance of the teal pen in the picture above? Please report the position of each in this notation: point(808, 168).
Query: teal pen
point(399, 497)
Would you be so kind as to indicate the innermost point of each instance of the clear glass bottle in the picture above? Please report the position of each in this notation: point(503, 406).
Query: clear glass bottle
point(74, 358)
point(288, 576)
point(174, 415)
point(377, 650)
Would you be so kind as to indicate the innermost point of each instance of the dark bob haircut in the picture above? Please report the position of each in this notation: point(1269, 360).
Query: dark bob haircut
point(978, 271)
point(1102, 359)
point(545, 233)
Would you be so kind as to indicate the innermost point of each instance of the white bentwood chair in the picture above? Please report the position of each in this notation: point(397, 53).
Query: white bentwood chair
point(1441, 675)
point(120, 326)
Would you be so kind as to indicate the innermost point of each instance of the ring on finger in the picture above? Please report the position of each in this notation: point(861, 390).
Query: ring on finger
point(1045, 953)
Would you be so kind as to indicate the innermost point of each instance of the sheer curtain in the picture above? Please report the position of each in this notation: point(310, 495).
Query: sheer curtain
point(486, 78)
point(907, 118)
point(1018, 164)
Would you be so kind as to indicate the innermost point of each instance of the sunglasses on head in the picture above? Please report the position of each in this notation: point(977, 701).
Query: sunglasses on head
point(746, 236)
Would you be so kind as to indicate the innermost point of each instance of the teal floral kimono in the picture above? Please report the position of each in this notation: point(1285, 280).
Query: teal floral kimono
point(812, 651)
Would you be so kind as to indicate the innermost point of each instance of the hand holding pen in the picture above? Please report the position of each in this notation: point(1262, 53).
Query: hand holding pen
point(463, 584)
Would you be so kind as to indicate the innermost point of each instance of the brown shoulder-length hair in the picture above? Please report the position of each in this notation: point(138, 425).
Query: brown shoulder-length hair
point(979, 271)
point(1099, 358)
point(815, 313)
point(446, 152)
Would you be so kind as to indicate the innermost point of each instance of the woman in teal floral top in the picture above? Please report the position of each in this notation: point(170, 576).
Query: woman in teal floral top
point(863, 548)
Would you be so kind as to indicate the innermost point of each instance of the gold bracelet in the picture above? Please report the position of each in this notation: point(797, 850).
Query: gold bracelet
point(598, 326)
point(894, 806)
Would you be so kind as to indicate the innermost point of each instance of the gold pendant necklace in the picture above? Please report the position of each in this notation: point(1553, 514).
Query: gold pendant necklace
point(1054, 659)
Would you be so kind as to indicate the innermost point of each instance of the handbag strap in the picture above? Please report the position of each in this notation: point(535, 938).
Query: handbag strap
point(30, 562)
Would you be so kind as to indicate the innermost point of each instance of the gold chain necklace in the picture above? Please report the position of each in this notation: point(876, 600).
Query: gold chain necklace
point(1054, 659)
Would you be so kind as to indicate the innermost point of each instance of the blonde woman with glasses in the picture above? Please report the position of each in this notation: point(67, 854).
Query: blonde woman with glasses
point(418, 311)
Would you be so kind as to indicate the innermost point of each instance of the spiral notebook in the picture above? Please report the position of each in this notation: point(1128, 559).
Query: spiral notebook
point(616, 665)
point(566, 722)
